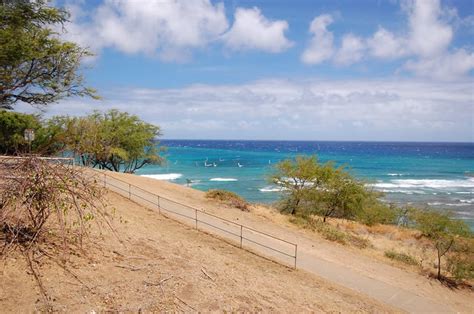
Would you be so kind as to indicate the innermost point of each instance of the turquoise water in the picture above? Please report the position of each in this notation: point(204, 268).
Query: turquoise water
point(440, 175)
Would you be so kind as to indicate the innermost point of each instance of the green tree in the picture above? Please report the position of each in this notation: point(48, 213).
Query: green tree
point(12, 128)
point(296, 178)
point(341, 196)
point(113, 140)
point(311, 187)
point(442, 229)
point(36, 66)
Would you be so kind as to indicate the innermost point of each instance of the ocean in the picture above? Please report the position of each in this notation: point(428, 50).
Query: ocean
point(439, 175)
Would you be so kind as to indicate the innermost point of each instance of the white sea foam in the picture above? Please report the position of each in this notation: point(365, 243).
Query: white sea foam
point(394, 174)
point(164, 176)
point(464, 213)
point(471, 201)
point(402, 191)
point(224, 179)
point(270, 189)
point(426, 183)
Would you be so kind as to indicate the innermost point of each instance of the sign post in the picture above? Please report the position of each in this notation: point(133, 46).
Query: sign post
point(29, 137)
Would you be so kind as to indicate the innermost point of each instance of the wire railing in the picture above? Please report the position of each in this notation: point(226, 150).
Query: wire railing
point(261, 243)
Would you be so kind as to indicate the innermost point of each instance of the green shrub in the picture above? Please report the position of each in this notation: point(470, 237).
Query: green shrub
point(401, 257)
point(331, 233)
point(376, 213)
point(461, 262)
point(229, 198)
point(461, 267)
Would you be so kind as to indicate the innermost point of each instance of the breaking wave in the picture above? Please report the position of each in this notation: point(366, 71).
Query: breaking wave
point(425, 183)
point(164, 176)
point(270, 189)
point(224, 179)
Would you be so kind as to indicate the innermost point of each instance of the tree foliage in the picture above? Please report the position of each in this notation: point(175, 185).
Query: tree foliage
point(314, 188)
point(12, 128)
point(113, 140)
point(297, 177)
point(36, 66)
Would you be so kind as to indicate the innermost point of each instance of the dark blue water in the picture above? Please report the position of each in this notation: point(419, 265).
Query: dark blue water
point(439, 175)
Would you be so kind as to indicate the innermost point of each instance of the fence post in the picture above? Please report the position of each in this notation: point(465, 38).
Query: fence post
point(196, 217)
point(129, 191)
point(158, 203)
point(241, 236)
point(105, 180)
point(296, 252)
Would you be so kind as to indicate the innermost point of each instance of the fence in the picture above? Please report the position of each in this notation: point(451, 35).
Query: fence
point(63, 160)
point(261, 243)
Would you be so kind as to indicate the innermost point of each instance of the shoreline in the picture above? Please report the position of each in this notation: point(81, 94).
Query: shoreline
point(464, 209)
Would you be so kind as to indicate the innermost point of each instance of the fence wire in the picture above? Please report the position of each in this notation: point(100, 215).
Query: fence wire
point(259, 242)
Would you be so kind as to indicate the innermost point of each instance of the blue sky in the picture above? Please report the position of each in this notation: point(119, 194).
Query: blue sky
point(328, 70)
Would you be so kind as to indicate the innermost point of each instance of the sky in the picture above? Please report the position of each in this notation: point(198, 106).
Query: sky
point(366, 70)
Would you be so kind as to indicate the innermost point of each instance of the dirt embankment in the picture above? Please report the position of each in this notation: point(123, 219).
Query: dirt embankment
point(157, 264)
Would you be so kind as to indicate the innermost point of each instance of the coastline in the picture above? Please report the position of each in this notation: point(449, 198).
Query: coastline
point(435, 176)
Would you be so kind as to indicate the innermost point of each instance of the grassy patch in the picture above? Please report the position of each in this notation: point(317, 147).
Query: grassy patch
point(229, 198)
point(330, 232)
point(401, 257)
point(359, 242)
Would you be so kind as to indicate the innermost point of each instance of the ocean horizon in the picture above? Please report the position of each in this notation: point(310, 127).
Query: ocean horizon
point(427, 174)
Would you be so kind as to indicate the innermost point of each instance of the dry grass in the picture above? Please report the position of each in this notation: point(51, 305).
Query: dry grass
point(401, 257)
point(228, 198)
point(331, 232)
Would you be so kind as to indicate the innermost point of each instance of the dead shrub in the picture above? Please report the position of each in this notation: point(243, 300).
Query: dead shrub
point(46, 209)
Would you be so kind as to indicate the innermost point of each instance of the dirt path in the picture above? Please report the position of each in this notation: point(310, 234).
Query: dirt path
point(345, 266)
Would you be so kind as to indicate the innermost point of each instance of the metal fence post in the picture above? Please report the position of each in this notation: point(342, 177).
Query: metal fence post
point(296, 252)
point(196, 217)
point(158, 203)
point(241, 236)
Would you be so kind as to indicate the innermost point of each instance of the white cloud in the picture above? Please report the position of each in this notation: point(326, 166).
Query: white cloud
point(172, 29)
point(320, 47)
point(425, 45)
point(253, 31)
point(352, 50)
point(429, 34)
point(407, 109)
point(385, 45)
point(449, 66)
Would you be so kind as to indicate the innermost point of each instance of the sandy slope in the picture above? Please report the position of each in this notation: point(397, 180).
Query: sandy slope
point(346, 266)
point(159, 264)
